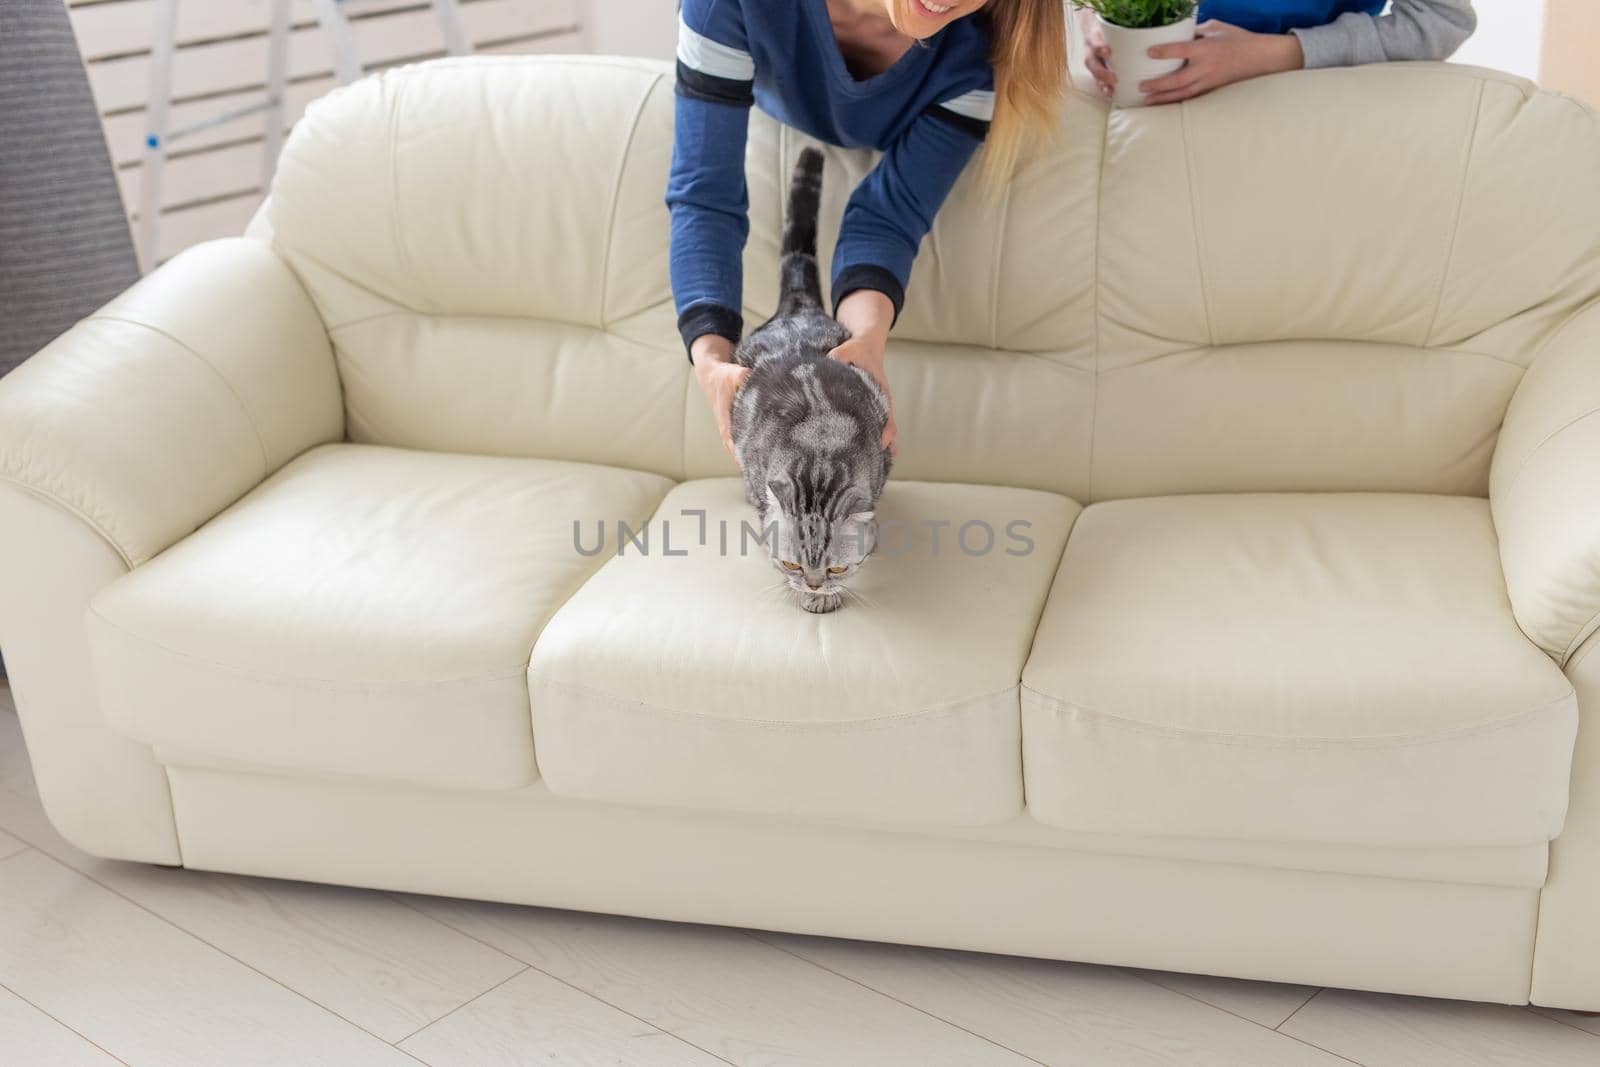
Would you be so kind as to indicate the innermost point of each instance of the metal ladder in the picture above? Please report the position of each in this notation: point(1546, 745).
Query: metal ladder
point(347, 68)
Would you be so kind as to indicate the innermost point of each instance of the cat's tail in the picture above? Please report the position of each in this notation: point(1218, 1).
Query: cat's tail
point(800, 282)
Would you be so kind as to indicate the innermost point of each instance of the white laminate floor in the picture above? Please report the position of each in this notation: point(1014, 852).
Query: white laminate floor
point(104, 962)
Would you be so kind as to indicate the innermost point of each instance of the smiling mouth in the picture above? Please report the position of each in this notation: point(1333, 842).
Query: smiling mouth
point(934, 11)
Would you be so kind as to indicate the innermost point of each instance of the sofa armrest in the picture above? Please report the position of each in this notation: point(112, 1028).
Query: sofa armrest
point(1544, 490)
point(159, 410)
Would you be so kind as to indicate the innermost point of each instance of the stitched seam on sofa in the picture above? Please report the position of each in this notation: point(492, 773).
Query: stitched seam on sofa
point(1475, 74)
point(447, 316)
point(1584, 107)
point(172, 809)
point(1046, 358)
point(1561, 329)
point(1582, 654)
point(82, 516)
point(1199, 230)
point(1117, 846)
point(1579, 638)
point(1033, 639)
point(1044, 602)
point(1190, 349)
point(1538, 913)
point(460, 783)
point(378, 317)
point(1505, 494)
point(292, 253)
point(1442, 70)
point(1549, 343)
point(949, 709)
point(402, 257)
point(616, 198)
point(1058, 708)
point(608, 330)
point(671, 344)
point(994, 266)
point(572, 590)
point(1099, 282)
point(301, 681)
point(249, 419)
point(1455, 225)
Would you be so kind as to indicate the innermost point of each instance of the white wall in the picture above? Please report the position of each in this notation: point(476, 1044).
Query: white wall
point(1509, 36)
point(633, 27)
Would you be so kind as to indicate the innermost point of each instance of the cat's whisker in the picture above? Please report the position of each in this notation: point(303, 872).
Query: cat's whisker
point(859, 597)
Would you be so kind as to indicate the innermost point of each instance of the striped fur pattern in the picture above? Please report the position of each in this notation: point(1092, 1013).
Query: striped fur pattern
point(807, 429)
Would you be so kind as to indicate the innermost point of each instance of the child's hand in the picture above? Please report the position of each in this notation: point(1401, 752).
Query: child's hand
point(1098, 60)
point(1221, 54)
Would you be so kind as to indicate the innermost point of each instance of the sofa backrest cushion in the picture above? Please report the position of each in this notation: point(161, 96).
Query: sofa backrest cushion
point(1327, 281)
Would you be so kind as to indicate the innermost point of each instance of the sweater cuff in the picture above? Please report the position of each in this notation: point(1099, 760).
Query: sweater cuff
point(869, 276)
point(701, 319)
point(1330, 45)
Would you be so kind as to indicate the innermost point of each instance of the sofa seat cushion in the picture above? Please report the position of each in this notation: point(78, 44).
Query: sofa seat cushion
point(1332, 667)
point(686, 677)
point(365, 611)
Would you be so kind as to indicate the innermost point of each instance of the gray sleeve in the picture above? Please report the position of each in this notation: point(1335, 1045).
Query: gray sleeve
point(1413, 29)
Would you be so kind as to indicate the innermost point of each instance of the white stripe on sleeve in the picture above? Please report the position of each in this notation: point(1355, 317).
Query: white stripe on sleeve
point(701, 53)
point(978, 104)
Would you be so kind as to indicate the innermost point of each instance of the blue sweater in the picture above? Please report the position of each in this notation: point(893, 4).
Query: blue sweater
point(1281, 16)
point(928, 114)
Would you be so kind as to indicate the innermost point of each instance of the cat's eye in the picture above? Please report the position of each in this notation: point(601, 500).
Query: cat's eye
point(837, 570)
point(791, 566)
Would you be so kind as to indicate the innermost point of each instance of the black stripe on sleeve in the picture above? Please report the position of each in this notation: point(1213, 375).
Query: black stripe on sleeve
point(868, 276)
point(713, 90)
point(701, 319)
point(972, 127)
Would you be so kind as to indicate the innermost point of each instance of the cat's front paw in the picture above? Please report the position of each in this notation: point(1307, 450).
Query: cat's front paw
point(821, 603)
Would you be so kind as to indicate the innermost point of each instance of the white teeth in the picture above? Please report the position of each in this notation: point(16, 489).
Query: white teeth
point(935, 9)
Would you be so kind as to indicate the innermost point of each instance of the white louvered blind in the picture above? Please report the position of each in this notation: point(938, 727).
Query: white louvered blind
point(211, 183)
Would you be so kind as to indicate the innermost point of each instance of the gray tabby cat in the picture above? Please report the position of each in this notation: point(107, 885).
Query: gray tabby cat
point(807, 429)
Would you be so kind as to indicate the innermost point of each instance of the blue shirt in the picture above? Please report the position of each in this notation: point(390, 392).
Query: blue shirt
point(928, 114)
point(1281, 16)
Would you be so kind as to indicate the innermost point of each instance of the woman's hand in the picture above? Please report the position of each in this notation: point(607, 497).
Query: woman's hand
point(719, 379)
point(1099, 58)
point(1221, 54)
point(868, 314)
point(868, 355)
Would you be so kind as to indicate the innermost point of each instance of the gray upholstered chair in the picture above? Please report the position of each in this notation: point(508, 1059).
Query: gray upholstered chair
point(65, 246)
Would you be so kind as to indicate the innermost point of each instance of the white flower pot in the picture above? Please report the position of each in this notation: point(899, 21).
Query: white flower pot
point(1130, 56)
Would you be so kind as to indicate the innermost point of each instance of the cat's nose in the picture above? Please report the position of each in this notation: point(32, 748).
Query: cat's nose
point(813, 583)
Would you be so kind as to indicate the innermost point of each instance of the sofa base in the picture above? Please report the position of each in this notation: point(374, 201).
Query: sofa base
point(1383, 934)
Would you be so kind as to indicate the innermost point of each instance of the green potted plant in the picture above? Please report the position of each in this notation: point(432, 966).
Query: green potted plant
point(1131, 28)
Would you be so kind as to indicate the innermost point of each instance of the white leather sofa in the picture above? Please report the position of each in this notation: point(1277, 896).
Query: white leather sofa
point(1280, 409)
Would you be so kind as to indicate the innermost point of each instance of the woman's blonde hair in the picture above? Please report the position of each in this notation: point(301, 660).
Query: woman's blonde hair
point(1028, 49)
